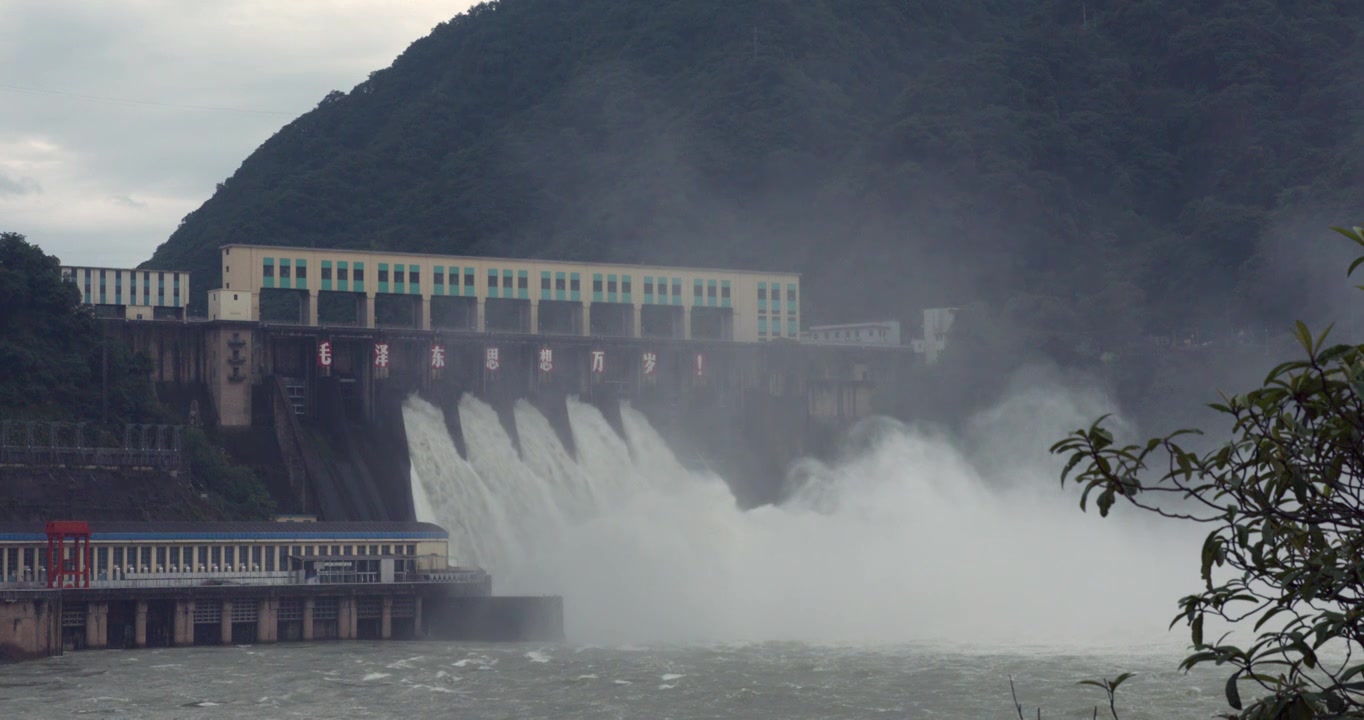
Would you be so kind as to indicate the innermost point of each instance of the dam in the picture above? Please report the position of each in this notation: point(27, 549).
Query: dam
point(306, 356)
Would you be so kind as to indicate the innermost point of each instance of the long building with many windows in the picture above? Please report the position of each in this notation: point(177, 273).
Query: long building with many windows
point(131, 294)
point(517, 296)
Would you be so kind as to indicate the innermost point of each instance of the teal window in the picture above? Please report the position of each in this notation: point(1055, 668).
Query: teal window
point(597, 287)
point(712, 294)
point(326, 278)
point(574, 287)
point(399, 278)
point(268, 269)
point(383, 277)
point(546, 285)
point(697, 296)
point(492, 283)
point(792, 330)
point(438, 280)
point(507, 291)
point(285, 274)
point(414, 279)
point(677, 291)
point(791, 299)
point(625, 289)
point(301, 274)
point(343, 276)
point(469, 276)
point(612, 288)
point(560, 286)
point(358, 278)
point(762, 327)
point(523, 284)
point(648, 290)
point(762, 297)
point(724, 294)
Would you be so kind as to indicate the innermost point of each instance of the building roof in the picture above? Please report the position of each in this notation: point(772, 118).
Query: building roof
point(484, 258)
point(66, 266)
point(245, 530)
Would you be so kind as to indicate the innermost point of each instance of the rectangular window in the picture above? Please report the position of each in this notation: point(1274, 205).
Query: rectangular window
point(611, 285)
point(414, 275)
point(301, 271)
point(326, 272)
point(710, 290)
point(255, 557)
point(118, 557)
point(161, 558)
point(762, 325)
point(383, 273)
point(596, 283)
point(573, 285)
point(522, 282)
point(284, 271)
point(229, 557)
point(696, 289)
point(359, 272)
point(560, 282)
point(544, 281)
point(776, 293)
point(469, 278)
point(648, 286)
point(269, 270)
point(625, 285)
point(492, 279)
point(270, 558)
point(762, 291)
point(438, 276)
point(341, 273)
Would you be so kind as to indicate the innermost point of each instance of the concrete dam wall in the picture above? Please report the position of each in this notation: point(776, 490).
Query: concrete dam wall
point(324, 404)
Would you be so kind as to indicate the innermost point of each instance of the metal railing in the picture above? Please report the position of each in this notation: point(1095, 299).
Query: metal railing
point(252, 578)
point(49, 444)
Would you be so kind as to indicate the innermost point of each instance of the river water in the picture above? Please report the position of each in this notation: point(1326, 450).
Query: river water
point(444, 680)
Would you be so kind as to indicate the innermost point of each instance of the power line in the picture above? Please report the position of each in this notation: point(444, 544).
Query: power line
point(148, 103)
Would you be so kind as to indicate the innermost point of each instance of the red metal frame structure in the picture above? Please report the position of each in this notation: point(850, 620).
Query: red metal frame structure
point(61, 571)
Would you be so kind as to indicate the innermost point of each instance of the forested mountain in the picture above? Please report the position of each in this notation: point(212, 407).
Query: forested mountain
point(1102, 168)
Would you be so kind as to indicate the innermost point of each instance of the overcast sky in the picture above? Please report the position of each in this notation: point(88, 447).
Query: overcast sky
point(118, 119)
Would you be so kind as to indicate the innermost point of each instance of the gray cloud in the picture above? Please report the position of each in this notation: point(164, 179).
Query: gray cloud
point(132, 114)
point(22, 185)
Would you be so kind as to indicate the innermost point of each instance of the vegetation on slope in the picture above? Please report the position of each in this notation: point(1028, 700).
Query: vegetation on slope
point(52, 350)
point(55, 356)
point(1095, 161)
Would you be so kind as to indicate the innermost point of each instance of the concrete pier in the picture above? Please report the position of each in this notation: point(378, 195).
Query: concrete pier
point(31, 621)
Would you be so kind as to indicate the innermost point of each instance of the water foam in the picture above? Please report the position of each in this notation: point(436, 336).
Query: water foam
point(911, 537)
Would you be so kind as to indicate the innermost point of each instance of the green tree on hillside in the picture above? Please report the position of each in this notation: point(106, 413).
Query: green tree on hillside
point(52, 351)
point(1284, 501)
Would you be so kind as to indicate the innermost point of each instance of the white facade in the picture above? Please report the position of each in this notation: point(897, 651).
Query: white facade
point(882, 332)
point(135, 294)
point(937, 326)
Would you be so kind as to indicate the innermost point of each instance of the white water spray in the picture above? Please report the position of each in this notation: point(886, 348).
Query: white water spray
point(910, 539)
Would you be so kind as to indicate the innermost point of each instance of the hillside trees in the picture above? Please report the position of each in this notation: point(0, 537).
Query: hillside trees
point(900, 154)
point(52, 352)
point(1283, 499)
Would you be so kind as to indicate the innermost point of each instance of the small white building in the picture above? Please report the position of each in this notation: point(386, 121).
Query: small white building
point(132, 294)
point(877, 332)
point(937, 326)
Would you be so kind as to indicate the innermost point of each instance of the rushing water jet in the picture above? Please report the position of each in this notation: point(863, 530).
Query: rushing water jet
point(909, 538)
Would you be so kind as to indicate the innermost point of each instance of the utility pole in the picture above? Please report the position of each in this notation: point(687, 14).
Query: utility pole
point(104, 372)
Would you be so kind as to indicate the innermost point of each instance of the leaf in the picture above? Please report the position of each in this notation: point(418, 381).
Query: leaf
point(1234, 694)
